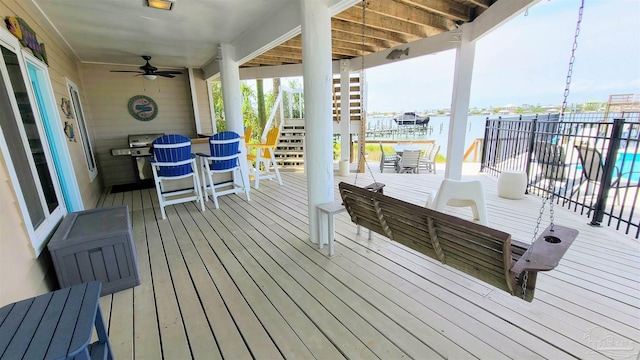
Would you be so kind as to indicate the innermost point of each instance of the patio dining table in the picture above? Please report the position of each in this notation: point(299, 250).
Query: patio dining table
point(400, 148)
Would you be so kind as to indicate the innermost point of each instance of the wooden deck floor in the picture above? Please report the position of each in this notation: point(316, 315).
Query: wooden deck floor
point(243, 281)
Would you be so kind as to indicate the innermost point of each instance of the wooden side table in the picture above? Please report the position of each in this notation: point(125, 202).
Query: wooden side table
point(326, 226)
point(56, 325)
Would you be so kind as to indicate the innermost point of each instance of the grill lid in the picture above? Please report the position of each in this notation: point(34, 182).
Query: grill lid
point(142, 140)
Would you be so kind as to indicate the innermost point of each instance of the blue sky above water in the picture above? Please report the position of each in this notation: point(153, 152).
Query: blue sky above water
point(525, 61)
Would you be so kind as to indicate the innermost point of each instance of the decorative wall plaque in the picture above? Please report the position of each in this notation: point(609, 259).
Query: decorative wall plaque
point(143, 108)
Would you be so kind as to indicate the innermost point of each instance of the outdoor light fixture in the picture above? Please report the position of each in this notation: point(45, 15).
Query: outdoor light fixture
point(160, 4)
point(150, 76)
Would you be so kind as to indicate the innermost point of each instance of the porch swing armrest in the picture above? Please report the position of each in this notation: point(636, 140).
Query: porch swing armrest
point(546, 251)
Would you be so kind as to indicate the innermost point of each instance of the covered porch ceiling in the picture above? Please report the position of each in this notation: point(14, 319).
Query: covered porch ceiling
point(263, 32)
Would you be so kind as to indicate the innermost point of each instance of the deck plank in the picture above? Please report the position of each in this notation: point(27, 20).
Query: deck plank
point(146, 332)
point(383, 299)
point(243, 281)
point(227, 335)
point(242, 268)
point(246, 320)
point(173, 338)
point(275, 260)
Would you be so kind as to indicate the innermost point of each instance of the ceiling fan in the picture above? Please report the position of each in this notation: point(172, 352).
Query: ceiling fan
point(151, 72)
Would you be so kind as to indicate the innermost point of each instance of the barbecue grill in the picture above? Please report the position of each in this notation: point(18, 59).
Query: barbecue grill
point(140, 147)
point(140, 151)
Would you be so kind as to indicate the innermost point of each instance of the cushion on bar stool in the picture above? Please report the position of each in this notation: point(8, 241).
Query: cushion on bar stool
point(512, 184)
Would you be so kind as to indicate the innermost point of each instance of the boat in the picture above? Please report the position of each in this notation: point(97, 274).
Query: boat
point(411, 118)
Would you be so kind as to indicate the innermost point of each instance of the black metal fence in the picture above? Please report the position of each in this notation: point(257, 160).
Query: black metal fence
point(589, 161)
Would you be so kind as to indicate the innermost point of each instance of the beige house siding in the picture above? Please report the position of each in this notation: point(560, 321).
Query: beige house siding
point(204, 110)
point(22, 275)
point(108, 95)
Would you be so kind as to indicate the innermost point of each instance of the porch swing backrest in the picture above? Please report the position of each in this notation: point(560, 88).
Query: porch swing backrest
point(487, 254)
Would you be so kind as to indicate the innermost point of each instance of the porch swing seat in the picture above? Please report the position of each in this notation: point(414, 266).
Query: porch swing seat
point(487, 254)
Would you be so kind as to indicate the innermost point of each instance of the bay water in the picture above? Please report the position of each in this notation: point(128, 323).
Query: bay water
point(437, 129)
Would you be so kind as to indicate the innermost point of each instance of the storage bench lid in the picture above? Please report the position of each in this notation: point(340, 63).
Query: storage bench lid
point(89, 224)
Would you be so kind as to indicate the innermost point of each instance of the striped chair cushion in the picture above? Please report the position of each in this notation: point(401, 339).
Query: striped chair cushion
point(221, 146)
point(171, 149)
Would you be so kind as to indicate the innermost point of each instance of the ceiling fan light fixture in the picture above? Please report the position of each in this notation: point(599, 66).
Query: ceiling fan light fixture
point(150, 76)
point(160, 4)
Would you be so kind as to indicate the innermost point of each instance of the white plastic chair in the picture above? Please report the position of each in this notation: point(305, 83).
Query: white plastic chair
point(224, 157)
point(429, 159)
point(461, 194)
point(408, 162)
point(173, 160)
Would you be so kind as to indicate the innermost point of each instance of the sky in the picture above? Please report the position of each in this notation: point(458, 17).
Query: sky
point(525, 61)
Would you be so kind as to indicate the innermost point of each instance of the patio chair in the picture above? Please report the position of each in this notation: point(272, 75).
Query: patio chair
point(460, 194)
point(387, 160)
point(173, 161)
point(224, 158)
point(409, 161)
point(593, 170)
point(247, 134)
point(552, 160)
point(265, 158)
point(429, 159)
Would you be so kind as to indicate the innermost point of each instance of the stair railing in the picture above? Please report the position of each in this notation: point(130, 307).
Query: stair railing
point(278, 105)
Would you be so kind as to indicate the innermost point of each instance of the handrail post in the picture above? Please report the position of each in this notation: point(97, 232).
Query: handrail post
point(484, 144)
point(607, 172)
point(532, 138)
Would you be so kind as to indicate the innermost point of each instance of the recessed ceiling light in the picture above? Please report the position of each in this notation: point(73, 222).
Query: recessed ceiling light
point(160, 4)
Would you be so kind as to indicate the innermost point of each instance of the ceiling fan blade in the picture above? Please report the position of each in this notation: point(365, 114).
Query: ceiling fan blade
point(165, 75)
point(170, 72)
point(129, 71)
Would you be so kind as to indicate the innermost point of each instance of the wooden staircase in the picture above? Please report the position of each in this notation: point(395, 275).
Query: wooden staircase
point(290, 150)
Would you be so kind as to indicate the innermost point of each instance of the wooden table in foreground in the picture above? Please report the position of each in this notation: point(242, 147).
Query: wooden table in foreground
point(56, 325)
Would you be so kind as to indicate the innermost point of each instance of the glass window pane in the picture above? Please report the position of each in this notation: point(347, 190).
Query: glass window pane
point(82, 126)
point(19, 157)
point(31, 129)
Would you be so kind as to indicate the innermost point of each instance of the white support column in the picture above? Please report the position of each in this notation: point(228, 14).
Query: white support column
point(316, 60)
point(460, 103)
point(212, 108)
point(345, 111)
point(231, 94)
point(232, 97)
point(194, 100)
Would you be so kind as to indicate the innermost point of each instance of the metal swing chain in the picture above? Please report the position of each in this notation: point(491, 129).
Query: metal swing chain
point(361, 141)
point(551, 189)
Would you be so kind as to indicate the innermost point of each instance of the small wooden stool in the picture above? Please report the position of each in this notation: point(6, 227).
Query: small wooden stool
point(326, 211)
point(325, 223)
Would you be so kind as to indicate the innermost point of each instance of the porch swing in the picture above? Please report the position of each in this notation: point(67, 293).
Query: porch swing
point(487, 254)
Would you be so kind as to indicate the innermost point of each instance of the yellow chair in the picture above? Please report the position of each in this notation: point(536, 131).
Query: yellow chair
point(247, 134)
point(265, 158)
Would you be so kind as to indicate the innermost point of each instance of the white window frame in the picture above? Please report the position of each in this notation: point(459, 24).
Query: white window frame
point(37, 236)
point(83, 131)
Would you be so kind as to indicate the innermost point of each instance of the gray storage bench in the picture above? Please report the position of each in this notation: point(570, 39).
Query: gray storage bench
point(96, 245)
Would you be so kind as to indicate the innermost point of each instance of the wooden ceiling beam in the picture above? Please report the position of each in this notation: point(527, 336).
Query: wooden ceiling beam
point(484, 4)
point(409, 14)
point(285, 52)
point(355, 27)
point(354, 49)
point(356, 40)
point(378, 21)
point(388, 23)
point(263, 61)
point(449, 9)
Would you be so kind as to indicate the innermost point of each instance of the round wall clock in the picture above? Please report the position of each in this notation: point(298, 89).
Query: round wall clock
point(143, 108)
